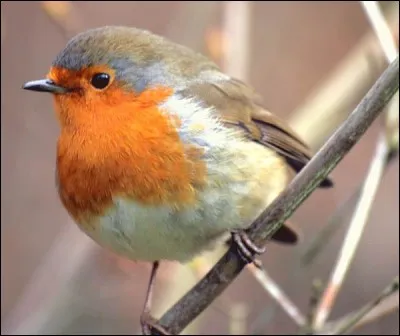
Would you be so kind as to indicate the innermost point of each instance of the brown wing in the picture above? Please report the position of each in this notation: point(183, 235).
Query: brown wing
point(240, 107)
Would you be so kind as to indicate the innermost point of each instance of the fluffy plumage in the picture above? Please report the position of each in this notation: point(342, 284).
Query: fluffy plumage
point(173, 154)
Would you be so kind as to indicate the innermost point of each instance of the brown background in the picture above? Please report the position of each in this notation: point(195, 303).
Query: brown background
point(293, 47)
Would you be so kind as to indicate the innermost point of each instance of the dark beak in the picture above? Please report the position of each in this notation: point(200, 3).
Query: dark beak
point(45, 85)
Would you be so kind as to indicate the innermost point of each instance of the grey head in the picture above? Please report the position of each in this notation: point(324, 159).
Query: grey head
point(140, 58)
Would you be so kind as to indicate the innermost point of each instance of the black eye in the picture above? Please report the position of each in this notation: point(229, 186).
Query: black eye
point(100, 80)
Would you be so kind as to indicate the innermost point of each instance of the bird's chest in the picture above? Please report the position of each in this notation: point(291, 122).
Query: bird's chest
point(143, 230)
point(234, 195)
point(94, 171)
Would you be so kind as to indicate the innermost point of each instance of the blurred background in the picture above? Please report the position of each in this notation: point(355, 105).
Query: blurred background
point(311, 61)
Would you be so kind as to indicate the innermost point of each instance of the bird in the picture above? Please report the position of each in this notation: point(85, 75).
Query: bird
point(161, 155)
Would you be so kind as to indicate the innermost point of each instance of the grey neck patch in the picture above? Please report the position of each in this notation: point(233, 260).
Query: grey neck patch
point(142, 78)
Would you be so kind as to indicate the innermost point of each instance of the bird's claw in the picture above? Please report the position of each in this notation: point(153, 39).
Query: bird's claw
point(150, 325)
point(246, 248)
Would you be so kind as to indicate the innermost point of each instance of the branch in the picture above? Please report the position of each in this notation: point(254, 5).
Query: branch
point(354, 233)
point(387, 306)
point(195, 16)
point(370, 186)
point(237, 16)
point(362, 65)
point(277, 294)
point(340, 143)
point(381, 28)
point(344, 86)
point(350, 322)
point(236, 42)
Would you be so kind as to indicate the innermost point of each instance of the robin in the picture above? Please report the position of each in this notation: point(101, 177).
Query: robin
point(161, 155)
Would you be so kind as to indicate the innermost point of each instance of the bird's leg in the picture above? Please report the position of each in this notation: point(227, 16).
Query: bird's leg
point(246, 247)
point(147, 322)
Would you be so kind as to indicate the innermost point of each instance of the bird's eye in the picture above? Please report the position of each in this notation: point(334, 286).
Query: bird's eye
point(100, 80)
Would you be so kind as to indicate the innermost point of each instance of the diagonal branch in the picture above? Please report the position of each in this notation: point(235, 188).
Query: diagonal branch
point(384, 50)
point(350, 322)
point(339, 144)
point(370, 186)
point(385, 307)
point(277, 294)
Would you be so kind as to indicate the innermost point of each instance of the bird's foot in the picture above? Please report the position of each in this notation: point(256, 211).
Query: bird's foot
point(246, 248)
point(150, 325)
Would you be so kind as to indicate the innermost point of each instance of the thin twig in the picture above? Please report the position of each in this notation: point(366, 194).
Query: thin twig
point(354, 233)
point(195, 17)
point(277, 293)
point(316, 291)
point(336, 220)
point(235, 27)
point(390, 304)
point(388, 45)
point(322, 238)
point(350, 322)
point(336, 96)
point(236, 30)
point(343, 87)
point(381, 29)
point(271, 219)
point(236, 58)
point(361, 213)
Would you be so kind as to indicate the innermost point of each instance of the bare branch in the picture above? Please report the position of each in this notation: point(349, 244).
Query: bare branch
point(236, 58)
point(277, 294)
point(370, 186)
point(381, 29)
point(349, 323)
point(341, 91)
point(354, 233)
point(236, 30)
point(343, 87)
point(316, 292)
point(230, 265)
point(388, 305)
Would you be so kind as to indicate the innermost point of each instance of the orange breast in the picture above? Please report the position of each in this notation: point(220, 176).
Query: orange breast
point(125, 148)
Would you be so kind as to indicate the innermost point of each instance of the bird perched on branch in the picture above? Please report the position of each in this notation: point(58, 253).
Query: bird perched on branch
point(160, 154)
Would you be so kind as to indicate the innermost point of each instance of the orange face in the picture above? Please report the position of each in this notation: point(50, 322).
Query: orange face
point(86, 103)
point(115, 142)
point(80, 78)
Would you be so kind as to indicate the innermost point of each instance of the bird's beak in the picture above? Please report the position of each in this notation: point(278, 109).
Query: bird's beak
point(45, 85)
